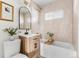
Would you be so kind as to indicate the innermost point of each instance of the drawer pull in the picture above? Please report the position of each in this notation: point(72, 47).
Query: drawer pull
point(35, 45)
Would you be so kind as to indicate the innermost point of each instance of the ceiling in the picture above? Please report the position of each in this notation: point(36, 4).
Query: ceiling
point(43, 3)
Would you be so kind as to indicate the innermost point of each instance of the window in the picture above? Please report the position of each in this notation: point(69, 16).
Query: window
point(54, 15)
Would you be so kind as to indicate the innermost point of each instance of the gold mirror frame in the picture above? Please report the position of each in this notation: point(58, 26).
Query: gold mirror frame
point(20, 18)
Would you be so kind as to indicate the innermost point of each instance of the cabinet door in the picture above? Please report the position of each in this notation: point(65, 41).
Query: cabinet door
point(31, 43)
point(27, 45)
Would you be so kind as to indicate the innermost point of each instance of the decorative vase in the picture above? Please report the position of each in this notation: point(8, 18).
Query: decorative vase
point(50, 40)
point(13, 37)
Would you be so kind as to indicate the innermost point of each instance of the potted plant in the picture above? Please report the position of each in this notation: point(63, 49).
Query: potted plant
point(50, 39)
point(11, 32)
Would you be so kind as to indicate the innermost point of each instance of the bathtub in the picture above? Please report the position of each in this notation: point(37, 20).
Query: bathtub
point(57, 50)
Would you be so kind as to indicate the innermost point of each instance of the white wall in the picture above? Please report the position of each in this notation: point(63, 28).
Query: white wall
point(76, 24)
point(35, 17)
point(5, 24)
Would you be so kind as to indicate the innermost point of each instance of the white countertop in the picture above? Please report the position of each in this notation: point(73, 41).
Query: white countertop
point(28, 35)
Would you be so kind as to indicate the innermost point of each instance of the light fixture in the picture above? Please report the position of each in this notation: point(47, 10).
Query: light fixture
point(27, 2)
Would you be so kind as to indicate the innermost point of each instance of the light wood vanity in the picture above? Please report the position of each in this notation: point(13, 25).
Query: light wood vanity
point(30, 45)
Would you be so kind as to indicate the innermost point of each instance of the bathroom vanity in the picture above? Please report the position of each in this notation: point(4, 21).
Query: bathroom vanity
point(30, 45)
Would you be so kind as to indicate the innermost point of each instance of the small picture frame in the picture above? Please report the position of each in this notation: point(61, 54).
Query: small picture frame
point(6, 11)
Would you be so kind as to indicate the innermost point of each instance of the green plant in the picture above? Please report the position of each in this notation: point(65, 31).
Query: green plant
point(11, 31)
point(50, 34)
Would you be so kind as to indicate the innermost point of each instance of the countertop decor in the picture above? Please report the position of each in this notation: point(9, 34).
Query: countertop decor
point(11, 32)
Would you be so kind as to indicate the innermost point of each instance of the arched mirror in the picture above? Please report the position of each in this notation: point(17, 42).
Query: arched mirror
point(24, 18)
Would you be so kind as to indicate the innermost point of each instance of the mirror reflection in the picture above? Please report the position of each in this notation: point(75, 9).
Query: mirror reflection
point(24, 18)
